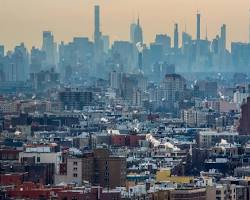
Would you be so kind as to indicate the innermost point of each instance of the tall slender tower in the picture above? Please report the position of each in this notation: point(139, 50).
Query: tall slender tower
point(223, 37)
point(97, 33)
point(249, 27)
point(176, 37)
point(198, 26)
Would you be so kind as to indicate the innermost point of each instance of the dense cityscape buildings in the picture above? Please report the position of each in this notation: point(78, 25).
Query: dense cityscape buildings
point(94, 119)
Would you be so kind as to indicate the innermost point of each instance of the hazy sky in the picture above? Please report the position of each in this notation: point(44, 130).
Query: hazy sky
point(24, 20)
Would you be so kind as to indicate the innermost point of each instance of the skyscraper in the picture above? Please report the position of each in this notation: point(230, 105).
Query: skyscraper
point(186, 39)
point(106, 43)
point(132, 32)
point(97, 32)
point(223, 37)
point(176, 37)
point(49, 47)
point(1, 51)
point(198, 36)
point(198, 26)
point(163, 40)
point(249, 27)
point(98, 42)
point(136, 32)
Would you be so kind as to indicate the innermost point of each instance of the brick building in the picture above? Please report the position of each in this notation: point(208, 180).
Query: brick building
point(244, 125)
point(98, 167)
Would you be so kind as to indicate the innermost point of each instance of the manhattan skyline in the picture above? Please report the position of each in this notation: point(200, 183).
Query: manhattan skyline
point(26, 20)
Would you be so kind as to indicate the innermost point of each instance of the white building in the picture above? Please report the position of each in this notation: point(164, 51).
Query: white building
point(239, 98)
point(41, 154)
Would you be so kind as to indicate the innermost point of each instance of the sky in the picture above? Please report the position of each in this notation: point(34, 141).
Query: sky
point(24, 20)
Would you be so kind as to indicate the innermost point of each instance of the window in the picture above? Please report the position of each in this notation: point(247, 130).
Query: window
point(74, 175)
point(74, 163)
point(38, 159)
point(75, 168)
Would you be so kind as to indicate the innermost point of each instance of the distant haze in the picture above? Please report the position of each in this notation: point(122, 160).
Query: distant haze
point(24, 20)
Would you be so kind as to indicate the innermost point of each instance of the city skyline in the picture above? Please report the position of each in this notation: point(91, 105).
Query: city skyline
point(66, 25)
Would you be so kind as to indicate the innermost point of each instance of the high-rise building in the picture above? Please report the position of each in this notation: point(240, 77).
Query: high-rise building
point(98, 41)
point(173, 87)
point(49, 47)
point(20, 63)
point(176, 37)
point(132, 31)
point(1, 51)
point(37, 60)
point(198, 37)
point(198, 27)
point(223, 38)
point(186, 39)
point(163, 40)
point(106, 41)
point(115, 79)
point(97, 32)
point(136, 32)
point(74, 99)
point(244, 126)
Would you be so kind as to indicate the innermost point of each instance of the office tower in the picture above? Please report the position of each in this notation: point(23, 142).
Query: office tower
point(137, 33)
point(19, 63)
point(37, 60)
point(98, 42)
point(115, 79)
point(105, 39)
point(137, 97)
point(49, 47)
point(156, 52)
point(43, 80)
point(1, 51)
point(163, 40)
point(132, 32)
point(176, 37)
point(198, 26)
point(123, 52)
point(249, 27)
point(186, 39)
point(173, 86)
point(97, 33)
point(223, 38)
point(208, 88)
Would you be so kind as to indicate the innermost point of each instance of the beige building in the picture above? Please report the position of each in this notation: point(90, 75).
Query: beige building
point(98, 168)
